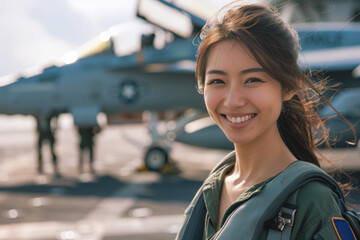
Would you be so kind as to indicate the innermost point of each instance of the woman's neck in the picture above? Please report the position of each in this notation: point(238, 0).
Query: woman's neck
point(261, 160)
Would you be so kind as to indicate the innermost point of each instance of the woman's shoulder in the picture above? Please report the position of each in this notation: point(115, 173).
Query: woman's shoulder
point(317, 204)
point(316, 200)
point(316, 192)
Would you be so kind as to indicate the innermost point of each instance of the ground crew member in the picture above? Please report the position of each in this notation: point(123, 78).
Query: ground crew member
point(87, 134)
point(46, 128)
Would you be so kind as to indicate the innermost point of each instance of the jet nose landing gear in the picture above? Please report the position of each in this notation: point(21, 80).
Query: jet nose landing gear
point(156, 158)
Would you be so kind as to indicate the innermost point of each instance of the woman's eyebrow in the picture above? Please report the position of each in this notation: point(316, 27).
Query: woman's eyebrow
point(218, 72)
point(246, 71)
point(251, 70)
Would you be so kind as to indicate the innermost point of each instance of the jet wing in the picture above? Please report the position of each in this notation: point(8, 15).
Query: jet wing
point(333, 59)
point(178, 50)
point(330, 46)
point(180, 67)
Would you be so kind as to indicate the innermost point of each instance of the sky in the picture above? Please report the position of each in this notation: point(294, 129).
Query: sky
point(36, 32)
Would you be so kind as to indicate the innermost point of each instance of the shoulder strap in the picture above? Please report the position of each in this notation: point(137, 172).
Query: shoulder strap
point(193, 226)
point(271, 198)
point(283, 230)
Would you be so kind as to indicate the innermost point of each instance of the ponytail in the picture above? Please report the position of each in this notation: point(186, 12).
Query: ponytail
point(299, 124)
point(295, 127)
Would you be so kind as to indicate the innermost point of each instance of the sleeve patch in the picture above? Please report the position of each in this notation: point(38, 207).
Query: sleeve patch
point(342, 229)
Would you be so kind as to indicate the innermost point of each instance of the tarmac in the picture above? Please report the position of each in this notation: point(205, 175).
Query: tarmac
point(119, 202)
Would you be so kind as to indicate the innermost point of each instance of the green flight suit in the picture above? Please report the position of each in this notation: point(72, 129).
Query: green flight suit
point(316, 203)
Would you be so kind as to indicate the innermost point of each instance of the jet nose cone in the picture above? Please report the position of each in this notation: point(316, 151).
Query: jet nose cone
point(2, 96)
point(4, 103)
point(4, 91)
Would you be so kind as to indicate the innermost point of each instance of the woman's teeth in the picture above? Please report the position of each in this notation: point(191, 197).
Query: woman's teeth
point(240, 119)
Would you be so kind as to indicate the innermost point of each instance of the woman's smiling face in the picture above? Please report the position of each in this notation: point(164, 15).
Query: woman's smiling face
point(239, 95)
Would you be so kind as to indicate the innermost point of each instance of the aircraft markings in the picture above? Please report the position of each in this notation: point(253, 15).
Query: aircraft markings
point(128, 91)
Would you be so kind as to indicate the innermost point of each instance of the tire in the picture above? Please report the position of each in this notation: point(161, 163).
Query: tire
point(156, 158)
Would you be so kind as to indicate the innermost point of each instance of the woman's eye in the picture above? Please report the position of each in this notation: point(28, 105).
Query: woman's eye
point(215, 81)
point(253, 80)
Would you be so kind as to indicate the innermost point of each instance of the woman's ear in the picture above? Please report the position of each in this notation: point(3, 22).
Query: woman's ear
point(288, 95)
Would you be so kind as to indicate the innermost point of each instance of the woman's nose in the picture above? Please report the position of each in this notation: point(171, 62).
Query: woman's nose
point(235, 97)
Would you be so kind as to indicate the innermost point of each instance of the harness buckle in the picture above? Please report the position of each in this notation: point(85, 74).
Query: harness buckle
point(286, 216)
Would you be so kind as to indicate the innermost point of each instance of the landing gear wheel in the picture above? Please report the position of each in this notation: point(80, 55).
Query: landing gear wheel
point(156, 158)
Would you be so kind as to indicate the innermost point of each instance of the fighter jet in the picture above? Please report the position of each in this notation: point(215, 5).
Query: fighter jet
point(99, 78)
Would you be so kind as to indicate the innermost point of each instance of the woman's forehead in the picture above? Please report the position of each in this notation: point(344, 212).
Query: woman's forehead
point(230, 52)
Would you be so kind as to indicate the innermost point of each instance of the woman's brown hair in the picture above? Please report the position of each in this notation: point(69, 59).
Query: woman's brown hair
point(275, 45)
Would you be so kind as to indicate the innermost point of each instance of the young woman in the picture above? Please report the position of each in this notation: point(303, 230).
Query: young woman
point(256, 93)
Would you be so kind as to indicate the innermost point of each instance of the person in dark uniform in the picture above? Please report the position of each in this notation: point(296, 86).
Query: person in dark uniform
point(87, 134)
point(46, 128)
